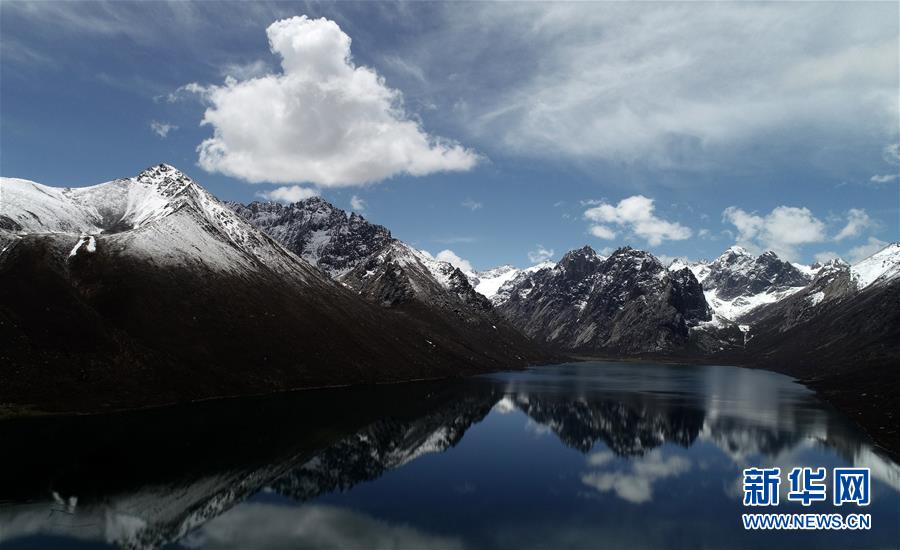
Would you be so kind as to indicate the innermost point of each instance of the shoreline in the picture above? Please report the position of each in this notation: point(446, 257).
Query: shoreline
point(868, 404)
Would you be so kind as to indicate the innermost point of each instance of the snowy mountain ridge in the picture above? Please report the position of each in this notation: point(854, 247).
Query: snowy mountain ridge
point(881, 266)
point(627, 302)
point(160, 213)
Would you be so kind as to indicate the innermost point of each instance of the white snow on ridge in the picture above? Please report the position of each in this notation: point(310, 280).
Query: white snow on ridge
point(500, 281)
point(161, 214)
point(807, 270)
point(38, 208)
point(816, 298)
point(489, 282)
point(737, 307)
point(883, 265)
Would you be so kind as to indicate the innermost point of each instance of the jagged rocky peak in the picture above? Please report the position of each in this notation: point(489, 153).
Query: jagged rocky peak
point(166, 177)
point(585, 254)
point(364, 256)
point(627, 302)
point(738, 273)
point(318, 232)
point(642, 259)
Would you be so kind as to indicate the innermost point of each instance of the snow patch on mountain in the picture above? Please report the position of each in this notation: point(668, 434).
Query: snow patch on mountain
point(497, 283)
point(738, 282)
point(884, 265)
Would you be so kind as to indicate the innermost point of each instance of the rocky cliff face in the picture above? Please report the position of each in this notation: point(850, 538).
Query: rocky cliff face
point(626, 303)
point(315, 230)
point(738, 273)
point(737, 282)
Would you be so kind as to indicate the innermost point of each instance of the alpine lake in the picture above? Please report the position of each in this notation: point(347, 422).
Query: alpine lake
point(579, 455)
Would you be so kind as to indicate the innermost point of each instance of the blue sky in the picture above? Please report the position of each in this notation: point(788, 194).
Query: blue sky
point(491, 130)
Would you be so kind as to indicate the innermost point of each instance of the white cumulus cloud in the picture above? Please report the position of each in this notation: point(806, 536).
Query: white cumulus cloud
point(782, 231)
point(357, 204)
point(540, 254)
point(321, 120)
point(635, 214)
point(293, 193)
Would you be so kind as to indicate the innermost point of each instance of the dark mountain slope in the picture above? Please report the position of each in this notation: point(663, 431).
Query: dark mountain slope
point(186, 301)
point(627, 303)
point(385, 271)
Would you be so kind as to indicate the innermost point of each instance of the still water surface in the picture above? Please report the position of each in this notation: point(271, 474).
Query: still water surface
point(587, 455)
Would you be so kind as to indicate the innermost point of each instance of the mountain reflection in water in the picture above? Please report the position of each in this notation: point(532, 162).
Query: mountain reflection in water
point(579, 455)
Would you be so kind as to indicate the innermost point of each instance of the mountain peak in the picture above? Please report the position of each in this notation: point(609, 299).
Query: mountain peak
point(737, 251)
point(169, 180)
point(584, 252)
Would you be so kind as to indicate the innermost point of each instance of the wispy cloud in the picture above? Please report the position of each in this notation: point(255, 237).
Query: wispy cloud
point(471, 204)
point(162, 129)
point(540, 254)
point(884, 178)
point(455, 240)
point(857, 222)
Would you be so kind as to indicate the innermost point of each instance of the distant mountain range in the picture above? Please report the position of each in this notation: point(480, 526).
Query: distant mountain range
point(149, 290)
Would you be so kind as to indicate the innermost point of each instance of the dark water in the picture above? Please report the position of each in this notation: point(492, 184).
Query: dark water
point(591, 455)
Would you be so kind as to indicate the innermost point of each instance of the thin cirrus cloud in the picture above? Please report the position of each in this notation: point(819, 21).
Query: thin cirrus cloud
point(321, 120)
point(635, 215)
point(633, 82)
point(471, 204)
point(891, 155)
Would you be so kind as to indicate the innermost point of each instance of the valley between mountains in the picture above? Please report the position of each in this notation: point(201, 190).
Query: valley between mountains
point(148, 290)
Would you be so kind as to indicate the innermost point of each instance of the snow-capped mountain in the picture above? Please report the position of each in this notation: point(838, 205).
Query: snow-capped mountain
point(148, 290)
point(324, 236)
point(847, 316)
point(626, 303)
point(495, 284)
point(737, 282)
point(879, 268)
point(339, 243)
point(160, 214)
